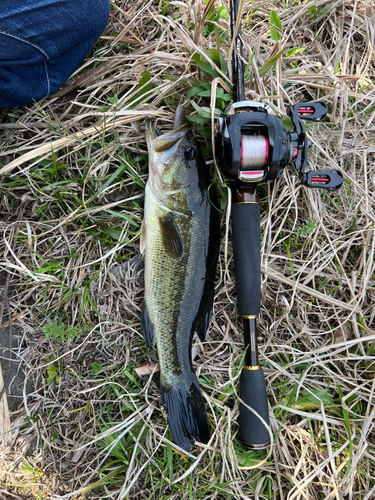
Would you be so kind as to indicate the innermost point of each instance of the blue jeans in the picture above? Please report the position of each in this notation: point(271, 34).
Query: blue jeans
point(42, 42)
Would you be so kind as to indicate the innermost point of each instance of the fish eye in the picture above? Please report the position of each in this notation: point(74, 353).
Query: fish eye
point(189, 154)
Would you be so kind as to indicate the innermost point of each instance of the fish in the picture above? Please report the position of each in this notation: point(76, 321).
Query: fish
point(180, 238)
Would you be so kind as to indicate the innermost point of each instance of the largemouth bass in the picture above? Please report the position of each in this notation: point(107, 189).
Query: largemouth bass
point(180, 246)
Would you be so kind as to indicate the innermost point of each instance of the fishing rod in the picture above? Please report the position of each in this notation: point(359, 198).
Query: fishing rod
point(252, 145)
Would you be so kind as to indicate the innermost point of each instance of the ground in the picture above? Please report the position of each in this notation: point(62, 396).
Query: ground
point(72, 176)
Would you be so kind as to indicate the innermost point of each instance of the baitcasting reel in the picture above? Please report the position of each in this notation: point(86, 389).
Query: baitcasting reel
point(252, 145)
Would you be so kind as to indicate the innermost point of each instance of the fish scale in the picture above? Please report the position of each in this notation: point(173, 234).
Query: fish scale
point(172, 284)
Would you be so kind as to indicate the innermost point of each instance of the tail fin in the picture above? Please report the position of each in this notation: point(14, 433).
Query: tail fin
point(186, 412)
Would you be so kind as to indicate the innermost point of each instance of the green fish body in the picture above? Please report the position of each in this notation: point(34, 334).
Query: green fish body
point(180, 246)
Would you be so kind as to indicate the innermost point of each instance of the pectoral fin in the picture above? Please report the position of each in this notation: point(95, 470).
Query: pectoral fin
point(171, 236)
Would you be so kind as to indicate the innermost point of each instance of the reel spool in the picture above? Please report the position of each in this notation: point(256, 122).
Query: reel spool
point(254, 157)
point(254, 151)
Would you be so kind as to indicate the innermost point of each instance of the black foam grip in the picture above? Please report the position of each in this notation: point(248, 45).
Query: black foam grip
point(246, 254)
point(254, 434)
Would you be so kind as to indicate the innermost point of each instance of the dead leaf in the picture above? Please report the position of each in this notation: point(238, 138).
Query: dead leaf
point(147, 368)
point(342, 333)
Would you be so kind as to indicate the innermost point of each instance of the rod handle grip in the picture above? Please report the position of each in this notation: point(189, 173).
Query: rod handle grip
point(253, 393)
point(246, 256)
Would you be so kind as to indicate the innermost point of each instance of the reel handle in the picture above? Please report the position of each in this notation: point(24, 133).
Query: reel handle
point(246, 255)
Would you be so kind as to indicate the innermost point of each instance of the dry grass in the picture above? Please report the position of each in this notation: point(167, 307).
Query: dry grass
point(71, 206)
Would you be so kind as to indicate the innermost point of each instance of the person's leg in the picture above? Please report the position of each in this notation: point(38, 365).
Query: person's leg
point(42, 42)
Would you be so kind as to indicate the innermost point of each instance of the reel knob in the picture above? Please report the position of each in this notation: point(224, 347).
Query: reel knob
point(315, 111)
point(324, 179)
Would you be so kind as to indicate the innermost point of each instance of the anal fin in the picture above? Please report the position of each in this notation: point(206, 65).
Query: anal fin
point(202, 323)
point(202, 319)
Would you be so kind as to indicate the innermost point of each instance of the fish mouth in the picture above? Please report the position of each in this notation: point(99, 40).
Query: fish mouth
point(159, 143)
point(162, 149)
